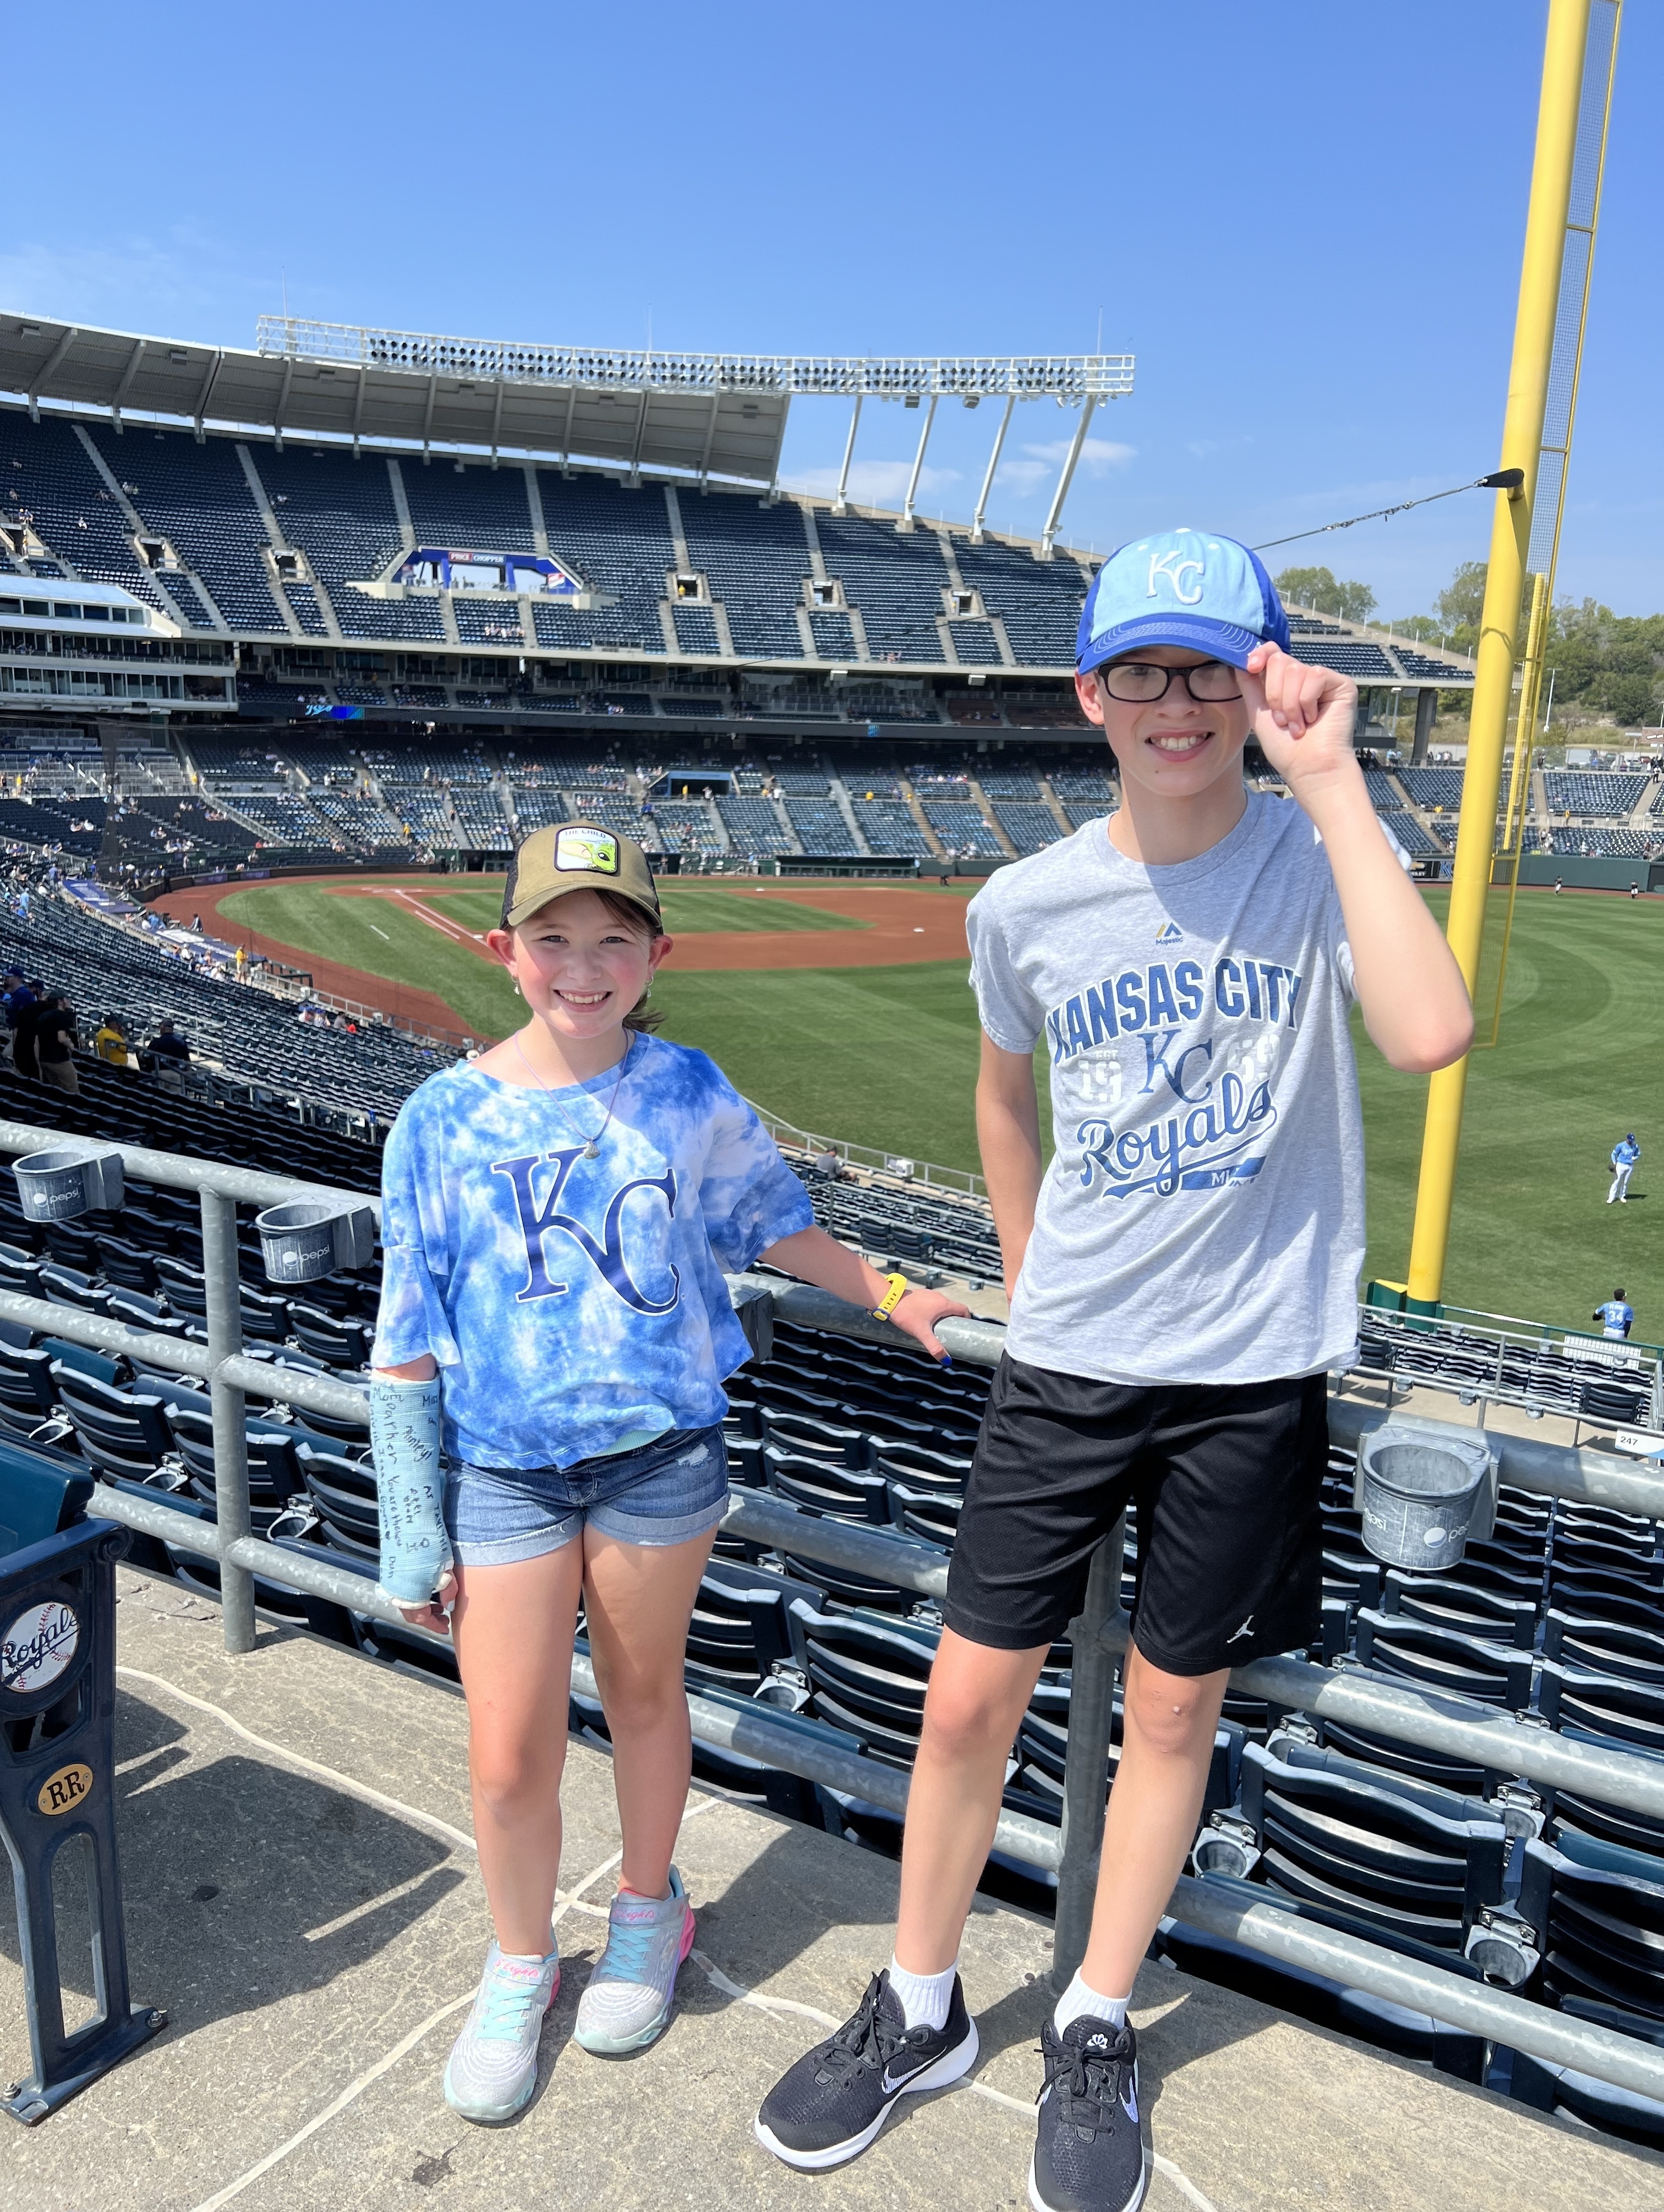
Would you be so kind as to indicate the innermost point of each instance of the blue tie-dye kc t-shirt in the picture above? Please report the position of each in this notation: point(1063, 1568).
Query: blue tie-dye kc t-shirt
point(574, 1303)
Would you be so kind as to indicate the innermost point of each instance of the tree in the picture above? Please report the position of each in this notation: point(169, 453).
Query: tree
point(1632, 701)
point(1325, 594)
point(1461, 603)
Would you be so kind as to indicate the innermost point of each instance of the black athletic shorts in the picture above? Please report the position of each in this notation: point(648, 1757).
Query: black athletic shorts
point(1226, 1478)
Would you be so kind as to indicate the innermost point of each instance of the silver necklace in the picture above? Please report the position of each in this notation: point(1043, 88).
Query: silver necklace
point(591, 1145)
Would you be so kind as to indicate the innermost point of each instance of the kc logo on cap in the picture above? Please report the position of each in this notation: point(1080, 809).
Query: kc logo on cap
point(1183, 588)
point(590, 852)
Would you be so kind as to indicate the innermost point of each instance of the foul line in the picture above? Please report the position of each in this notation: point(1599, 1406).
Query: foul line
point(566, 1901)
point(343, 1782)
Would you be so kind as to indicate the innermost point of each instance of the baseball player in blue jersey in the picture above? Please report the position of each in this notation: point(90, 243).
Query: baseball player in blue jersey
point(1625, 1154)
point(1616, 1318)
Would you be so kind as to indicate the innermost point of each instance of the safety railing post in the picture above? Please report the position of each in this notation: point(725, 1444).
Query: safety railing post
point(224, 1302)
point(1091, 1706)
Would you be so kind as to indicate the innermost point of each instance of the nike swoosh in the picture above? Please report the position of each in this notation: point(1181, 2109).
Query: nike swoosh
point(893, 2082)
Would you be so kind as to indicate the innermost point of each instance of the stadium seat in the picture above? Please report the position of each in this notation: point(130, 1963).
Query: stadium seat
point(1367, 1846)
point(1609, 1708)
point(866, 1676)
point(121, 1432)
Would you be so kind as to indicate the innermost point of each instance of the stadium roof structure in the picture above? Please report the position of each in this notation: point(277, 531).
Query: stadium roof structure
point(709, 415)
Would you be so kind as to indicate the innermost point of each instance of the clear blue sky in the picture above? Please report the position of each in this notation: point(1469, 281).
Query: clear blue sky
point(1304, 219)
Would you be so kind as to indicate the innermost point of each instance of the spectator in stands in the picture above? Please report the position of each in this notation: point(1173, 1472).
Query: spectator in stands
point(29, 1004)
point(17, 998)
point(52, 1034)
point(581, 1418)
point(110, 1042)
point(169, 1055)
point(1180, 1284)
point(827, 1162)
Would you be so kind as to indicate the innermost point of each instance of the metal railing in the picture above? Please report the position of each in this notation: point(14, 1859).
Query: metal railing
point(631, 369)
point(1538, 1367)
point(1454, 1726)
point(922, 1175)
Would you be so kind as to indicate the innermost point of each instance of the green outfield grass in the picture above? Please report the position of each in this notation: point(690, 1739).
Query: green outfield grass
point(887, 1057)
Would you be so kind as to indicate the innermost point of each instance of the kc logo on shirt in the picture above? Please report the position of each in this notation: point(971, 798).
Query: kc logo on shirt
point(604, 1253)
point(1210, 1105)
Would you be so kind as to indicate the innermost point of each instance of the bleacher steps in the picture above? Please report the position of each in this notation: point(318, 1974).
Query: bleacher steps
point(915, 807)
point(812, 538)
point(724, 635)
point(858, 631)
point(996, 624)
point(401, 508)
point(667, 627)
point(785, 823)
point(534, 502)
point(840, 797)
point(950, 559)
point(725, 843)
point(991, 818)
point(278, 544)
point(678, 535)
point(139, 527)
point(806, 634)
point(1056, 805)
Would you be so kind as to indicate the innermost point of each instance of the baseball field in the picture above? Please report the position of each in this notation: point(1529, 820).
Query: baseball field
point(844, 1008)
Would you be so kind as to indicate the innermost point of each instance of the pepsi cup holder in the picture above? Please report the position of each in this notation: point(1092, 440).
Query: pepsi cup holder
point(307, 1238)
point(60, 1184)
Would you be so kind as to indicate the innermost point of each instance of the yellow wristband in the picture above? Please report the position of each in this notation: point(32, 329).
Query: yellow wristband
point(893, 1296)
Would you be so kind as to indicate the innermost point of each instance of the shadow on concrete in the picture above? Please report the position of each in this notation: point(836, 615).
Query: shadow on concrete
point(235, 1873)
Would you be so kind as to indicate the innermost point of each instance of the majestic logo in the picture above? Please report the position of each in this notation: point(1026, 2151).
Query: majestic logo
point(1175, 570)
point(1169, 933)
point(588, 851)
point(38, 1647)
point(604, 1253)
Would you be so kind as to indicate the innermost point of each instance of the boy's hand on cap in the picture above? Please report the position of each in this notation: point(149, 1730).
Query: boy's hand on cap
point(1302, 717)
point(918, 1314)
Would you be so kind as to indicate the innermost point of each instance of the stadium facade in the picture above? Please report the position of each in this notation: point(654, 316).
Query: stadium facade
point(527, 578)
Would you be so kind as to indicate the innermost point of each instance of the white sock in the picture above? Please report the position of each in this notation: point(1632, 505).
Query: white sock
point(924, 1997)
point(1080, 1998)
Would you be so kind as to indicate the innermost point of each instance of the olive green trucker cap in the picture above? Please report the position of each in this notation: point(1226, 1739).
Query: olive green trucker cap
point(575, 856)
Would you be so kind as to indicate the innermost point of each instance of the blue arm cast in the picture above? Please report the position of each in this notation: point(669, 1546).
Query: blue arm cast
point(403, 1429)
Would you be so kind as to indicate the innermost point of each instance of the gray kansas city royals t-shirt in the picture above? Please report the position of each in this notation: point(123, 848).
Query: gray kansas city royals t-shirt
point(1203, 1218)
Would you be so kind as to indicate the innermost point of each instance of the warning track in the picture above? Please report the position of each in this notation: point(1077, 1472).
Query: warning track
point(903, 924)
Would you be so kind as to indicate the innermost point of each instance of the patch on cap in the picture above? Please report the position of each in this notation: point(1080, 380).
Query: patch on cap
point(588, 852)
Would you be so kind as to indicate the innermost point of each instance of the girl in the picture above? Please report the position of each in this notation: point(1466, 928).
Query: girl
point(557, 1218)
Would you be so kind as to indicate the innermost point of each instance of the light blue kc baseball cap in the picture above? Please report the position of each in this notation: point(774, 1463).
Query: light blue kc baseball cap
point(1180, 588)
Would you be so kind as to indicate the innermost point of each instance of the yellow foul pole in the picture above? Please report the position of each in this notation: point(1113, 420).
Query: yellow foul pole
point(1522, 433)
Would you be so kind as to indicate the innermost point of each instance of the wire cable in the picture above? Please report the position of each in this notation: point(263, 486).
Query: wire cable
point(1507, 480)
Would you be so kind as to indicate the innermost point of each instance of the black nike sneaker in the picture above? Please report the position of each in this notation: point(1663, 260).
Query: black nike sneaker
point(833, 2102)
point(1093, 2154)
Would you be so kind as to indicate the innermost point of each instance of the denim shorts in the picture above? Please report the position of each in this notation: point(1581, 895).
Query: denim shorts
point(668, 1492)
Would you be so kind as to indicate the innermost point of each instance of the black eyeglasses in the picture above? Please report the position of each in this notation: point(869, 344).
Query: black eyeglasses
point(1137, 683)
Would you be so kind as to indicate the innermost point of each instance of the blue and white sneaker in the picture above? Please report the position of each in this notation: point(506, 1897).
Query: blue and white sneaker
point(626, 2005)
point(492, 2070)
point(1092, 2153)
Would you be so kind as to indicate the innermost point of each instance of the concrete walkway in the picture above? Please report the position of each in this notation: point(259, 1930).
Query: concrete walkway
point(302, 1898)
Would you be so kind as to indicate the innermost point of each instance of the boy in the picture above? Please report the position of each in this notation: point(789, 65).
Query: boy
point(1181, 1280)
